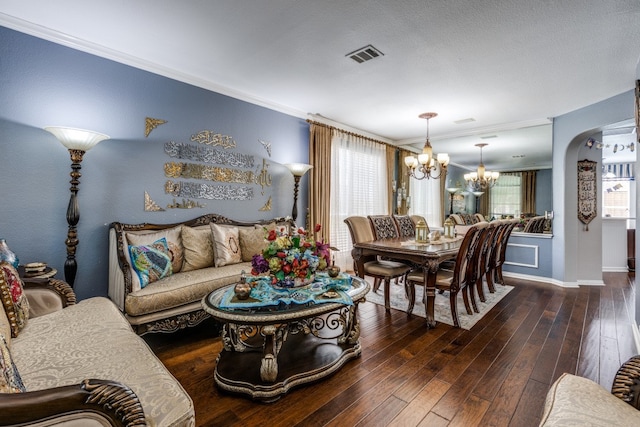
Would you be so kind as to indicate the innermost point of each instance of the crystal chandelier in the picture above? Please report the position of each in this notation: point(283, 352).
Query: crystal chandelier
point(482, 179)
point(424, 166)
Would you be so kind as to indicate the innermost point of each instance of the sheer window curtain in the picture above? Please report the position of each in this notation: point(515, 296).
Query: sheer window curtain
point(426, 200)
point(359, 186)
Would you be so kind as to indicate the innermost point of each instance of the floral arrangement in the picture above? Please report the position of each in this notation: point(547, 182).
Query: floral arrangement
point(291, 256)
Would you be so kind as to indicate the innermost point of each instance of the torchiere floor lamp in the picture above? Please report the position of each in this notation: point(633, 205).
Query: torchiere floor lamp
point(77, 141)
point(298, 170)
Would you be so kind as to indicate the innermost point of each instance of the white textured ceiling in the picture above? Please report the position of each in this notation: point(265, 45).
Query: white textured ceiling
point(509, 65)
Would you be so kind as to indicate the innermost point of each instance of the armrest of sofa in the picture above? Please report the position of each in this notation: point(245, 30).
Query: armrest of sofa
point(48, 295)
point(99, 401)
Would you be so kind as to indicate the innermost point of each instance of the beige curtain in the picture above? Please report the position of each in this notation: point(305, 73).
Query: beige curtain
point(528, 186)
point(485, 204)
point(391, 169)
point(320, 177)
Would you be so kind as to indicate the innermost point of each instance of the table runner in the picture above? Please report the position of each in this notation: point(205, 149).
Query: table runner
point(264, 295)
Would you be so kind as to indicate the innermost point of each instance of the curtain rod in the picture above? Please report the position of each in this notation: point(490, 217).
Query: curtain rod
point(313, 122)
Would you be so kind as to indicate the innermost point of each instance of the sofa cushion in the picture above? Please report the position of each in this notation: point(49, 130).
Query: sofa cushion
point(174, 242)
point(5, 326)
point(198, 248)
point(226, 245)
point(252, 242)
point(93, 340)
point(181, 289)
point(578, 401)
point(14, 301)
point(10, 380)
point(151, 262)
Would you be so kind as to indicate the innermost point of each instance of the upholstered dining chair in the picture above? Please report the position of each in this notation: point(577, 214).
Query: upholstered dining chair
point(381, 270)
point(496, 268)
point(417, 218)
point(405, 225)
point(456, 281)
point(484, 246)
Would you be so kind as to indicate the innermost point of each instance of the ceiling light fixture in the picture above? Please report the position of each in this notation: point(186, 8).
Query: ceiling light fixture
point(425, 166)
point(482, 179)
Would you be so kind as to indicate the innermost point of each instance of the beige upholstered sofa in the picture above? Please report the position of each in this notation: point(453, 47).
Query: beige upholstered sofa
point(81, 365)
point(578, 401)
point(205, 253)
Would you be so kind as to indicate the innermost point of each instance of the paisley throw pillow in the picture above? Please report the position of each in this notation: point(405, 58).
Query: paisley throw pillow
point(15, 302)
point(10, 380)
point(151, 262)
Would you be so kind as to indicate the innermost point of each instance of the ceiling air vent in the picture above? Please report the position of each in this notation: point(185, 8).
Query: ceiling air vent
point(364, 54)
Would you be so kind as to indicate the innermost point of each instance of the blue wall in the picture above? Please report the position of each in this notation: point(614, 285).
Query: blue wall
point(42, 83)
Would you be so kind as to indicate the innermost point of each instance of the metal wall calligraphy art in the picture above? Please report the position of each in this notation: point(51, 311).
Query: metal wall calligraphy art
point(263, 179)
point(206, 154)
point(150, 124)
point(209, 173)
point(267, 206)
point(266, 145)
point(150, 205)
point(209, 137)
point(587, 192)
point(186, 204)
point(207, 191)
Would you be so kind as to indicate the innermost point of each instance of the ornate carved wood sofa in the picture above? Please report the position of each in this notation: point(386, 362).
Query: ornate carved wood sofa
point(79, 364)
point(205, 253)
point(578, 401)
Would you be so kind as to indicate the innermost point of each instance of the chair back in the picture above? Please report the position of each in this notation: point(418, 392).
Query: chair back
point(384, 227)
point(485, 244)
point(504, 239)
point(405, 225)
point(463, 271)
point(359, 228)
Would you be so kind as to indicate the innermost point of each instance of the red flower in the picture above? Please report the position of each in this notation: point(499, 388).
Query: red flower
point(302, 231)
point(272, 235)
point(281, 255)
point(317, 228)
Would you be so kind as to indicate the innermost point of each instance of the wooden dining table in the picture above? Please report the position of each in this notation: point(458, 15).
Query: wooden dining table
point(426, 256)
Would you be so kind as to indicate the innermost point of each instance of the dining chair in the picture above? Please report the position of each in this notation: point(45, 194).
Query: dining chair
point(381, 270)
point(454, 282)
point(485, 243)
point(494, 252)
point(497, 273)
point(405, 225)
point(417, 218)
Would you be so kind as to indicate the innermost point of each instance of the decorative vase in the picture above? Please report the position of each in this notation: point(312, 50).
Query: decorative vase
point(333, 271)
point(7, 254)
point(242, 289)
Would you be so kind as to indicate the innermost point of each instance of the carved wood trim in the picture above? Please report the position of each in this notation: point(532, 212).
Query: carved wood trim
point(626, 384)
point(173, 323)
point(114, 401)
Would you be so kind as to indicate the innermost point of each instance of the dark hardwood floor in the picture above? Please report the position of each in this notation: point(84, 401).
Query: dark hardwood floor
point(496, 374)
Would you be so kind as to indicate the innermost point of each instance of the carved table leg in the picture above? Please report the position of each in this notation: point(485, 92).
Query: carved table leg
point(273, 339)
point(430, 271)
point(351, 333)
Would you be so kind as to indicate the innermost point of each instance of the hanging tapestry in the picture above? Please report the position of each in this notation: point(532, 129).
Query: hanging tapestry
point(587, 192)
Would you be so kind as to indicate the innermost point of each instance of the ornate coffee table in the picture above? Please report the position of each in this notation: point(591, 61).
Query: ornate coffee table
point(268, 351)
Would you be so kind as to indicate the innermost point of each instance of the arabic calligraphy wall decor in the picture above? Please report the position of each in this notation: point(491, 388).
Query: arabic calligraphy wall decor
point(150, 124)
point(209, 173)
point(587, 192)
point(180, 150)
point(263, 179)
point(186, 204)
point(150, 205)
point(207, 191)
point(266, 145)
point(209, 137)
point(267, 206)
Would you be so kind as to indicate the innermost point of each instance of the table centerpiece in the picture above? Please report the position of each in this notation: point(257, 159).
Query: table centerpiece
point(291, 258)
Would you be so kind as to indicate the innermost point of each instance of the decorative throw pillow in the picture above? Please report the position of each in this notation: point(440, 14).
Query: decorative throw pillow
point(198, 248)
point(15, 302)
point(10, 380)
point(174, 242)
point(226, 245)
point(252, 242)
point(151, 262)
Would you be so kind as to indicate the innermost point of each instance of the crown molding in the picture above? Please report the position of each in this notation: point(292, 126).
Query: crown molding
point(104, 52)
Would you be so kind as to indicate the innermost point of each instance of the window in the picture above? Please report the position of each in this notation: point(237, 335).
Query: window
point(506, 196)
point(617, 186)
point(425, 200)
point(358, 187)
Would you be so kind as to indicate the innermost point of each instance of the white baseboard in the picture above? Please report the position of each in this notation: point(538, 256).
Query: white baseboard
point(540, 279)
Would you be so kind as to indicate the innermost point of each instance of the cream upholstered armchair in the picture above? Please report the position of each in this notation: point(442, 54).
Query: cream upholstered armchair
point(381, 270)
point(577, 401)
